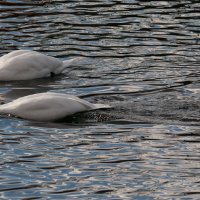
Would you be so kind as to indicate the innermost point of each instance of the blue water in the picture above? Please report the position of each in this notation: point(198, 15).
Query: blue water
point(142, 58)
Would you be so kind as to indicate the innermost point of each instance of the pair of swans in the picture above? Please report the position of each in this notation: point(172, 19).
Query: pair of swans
point(49, 106)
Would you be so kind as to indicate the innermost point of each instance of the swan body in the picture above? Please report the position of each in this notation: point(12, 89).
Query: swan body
point(26, 65)
point(48, 106)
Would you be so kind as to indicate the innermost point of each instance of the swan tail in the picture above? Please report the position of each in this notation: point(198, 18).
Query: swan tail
point(101, 106)
point(70, 63)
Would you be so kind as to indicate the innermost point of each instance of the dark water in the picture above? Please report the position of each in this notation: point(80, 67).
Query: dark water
point(141, 57)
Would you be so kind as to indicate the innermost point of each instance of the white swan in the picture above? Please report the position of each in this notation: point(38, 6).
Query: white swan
point(26, 65)
point(48, 106)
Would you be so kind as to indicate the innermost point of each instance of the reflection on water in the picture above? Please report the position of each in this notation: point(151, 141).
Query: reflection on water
point(141, 57)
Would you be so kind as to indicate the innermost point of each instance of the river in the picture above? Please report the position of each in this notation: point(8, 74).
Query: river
point(140, 57)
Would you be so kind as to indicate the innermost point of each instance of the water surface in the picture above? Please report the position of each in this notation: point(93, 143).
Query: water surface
point(142, 58)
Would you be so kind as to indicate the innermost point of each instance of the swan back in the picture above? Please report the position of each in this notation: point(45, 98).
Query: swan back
point(26, 65)
point(47, 106)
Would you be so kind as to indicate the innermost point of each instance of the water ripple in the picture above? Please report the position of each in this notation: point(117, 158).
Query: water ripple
point(142, 58)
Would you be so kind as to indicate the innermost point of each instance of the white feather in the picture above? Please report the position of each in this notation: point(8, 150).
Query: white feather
point(26, 65)
point(48, 106)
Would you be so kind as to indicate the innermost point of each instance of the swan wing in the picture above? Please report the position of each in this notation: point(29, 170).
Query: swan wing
point(13, 54)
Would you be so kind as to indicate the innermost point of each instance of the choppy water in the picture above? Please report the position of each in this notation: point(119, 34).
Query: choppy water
point(141, 57)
